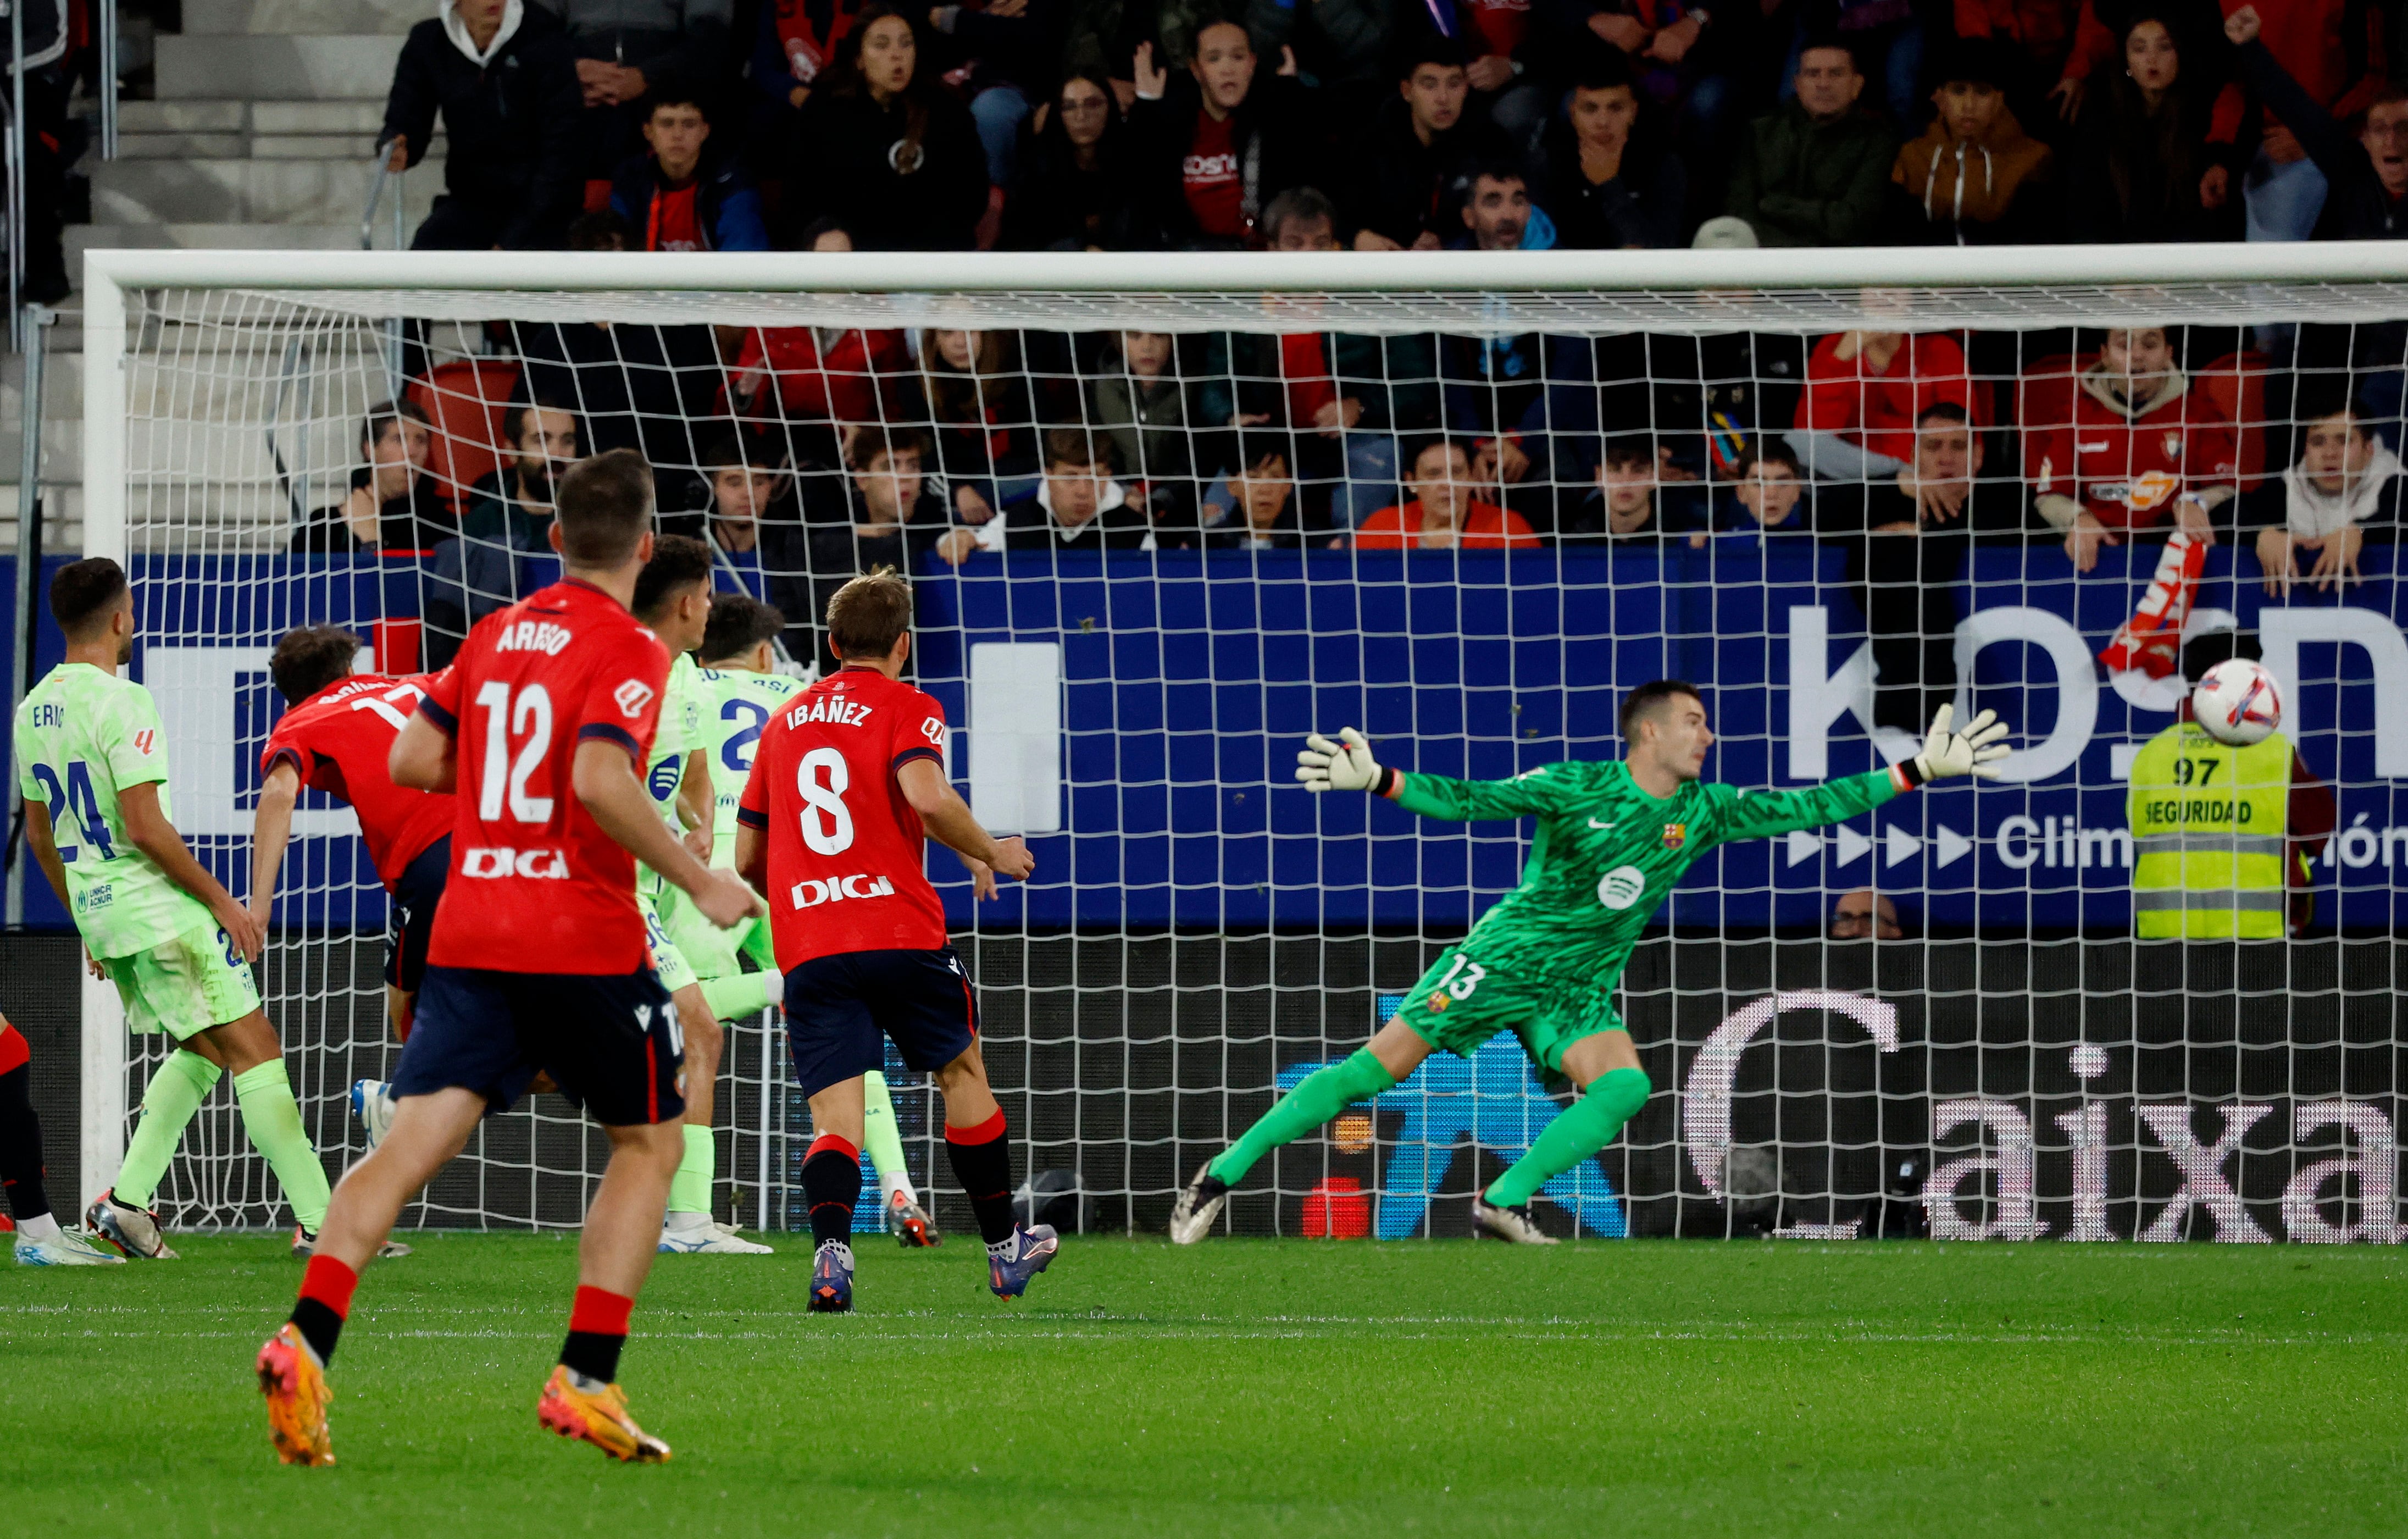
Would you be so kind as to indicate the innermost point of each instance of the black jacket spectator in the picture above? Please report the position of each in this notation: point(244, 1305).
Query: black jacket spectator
point(1341, 46)
point(2135, 167)
point(1643, 203)
point(2358, 205)
point(1269, 147)
point(1031, 529)
point(624, 50)
point(511, 178)
point(1075, 187)
point(1399, 188)
point(726, 211)
point(404, 524)
point(903, 174)
point(1799, 182)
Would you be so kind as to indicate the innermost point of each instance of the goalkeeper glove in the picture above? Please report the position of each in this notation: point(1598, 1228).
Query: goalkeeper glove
point(1345, 765)
point(1948, 752)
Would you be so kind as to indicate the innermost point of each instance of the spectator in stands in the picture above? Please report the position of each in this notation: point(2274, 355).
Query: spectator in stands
point(1665, 44)
point(1863, 914)
point(888, 516)
point(625, 51)
point(682, 197)
point(2315, 519)
point(1219, 141)
point(1139, 402)
point(1443, 515)
point(985, 431)
point(1102, 37)
point(1517, 401)
point(1817, 171)
point(1000, 51)
point(2366, 171)
point(1770, 496)
point(1613, 185)
point(1634, 504)
point(49, 29)
point(2144, 449)
point(1504, 63)
point(2035, 42)
point(1865, 390)
point(1975, 177)
point(393, 506)
point(1078, 505)
point(2333, 53)
point(1498, 215)
point(741, 500)
point(794, 46)
point(487, 566)
point(500, 75)
point(2144, 164)
point(1078, 193)
point(886, 147)
point(1263, 511)
point(809, 384)
point(1414, 161)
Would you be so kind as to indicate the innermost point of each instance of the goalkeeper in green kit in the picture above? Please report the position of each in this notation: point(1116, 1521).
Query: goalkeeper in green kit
point(1613, 839)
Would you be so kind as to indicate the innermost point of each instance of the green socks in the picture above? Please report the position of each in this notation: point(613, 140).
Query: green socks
point(1586, 1127)
point(690, 1188)
point(742, 996)
point(882, 1138)
point(273, 1120)
point(1323, 1095)
point(174, 1094)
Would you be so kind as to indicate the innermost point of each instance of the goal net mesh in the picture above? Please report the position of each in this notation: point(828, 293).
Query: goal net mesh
point(1831, 509)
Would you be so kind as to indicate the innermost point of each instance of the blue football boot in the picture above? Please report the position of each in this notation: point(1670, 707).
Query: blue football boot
point(1028, 1252)
point(832, 1279)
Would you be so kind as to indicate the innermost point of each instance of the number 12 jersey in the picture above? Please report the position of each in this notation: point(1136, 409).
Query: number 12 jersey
point(845, 858)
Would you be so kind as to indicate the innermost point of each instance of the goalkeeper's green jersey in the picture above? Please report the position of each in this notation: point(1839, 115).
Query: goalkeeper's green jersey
point(84, 735)
point(1607, 854)
point(736, 706)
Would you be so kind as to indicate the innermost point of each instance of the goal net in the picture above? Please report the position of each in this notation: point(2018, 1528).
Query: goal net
point(1166, 515)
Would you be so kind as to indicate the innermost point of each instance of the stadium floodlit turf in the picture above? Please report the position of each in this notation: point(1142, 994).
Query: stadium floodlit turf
point(1287, 1388)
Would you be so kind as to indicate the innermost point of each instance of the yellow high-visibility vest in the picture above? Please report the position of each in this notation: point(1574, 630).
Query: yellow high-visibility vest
point(2208, 836)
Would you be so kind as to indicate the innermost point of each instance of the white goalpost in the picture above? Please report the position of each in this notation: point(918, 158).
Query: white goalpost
point(2010, 1063)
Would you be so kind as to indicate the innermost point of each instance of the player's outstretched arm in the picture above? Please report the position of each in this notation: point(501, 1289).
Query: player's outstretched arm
point(946, 815)
point(1347, 765)
point(147, 830)
point(698, 803)
point(46, 848)
point(604, 780)
point(1948, 752)
point(271, 830)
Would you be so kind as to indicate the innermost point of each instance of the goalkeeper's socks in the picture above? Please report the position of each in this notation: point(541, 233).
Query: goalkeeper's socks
point(1323, 1094)
point(1586, 1127)
point(832, 1186)
point(174, 1094)
point(325, 1304)
point(982, 1160)
point(21, 1143)
point(273, 1120)
point(690, 1187)
point(597, 1329)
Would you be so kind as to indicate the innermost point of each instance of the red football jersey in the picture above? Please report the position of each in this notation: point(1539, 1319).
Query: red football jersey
point(2127, 467)
point(536, 884)
point(845, 864)
point(340, 740)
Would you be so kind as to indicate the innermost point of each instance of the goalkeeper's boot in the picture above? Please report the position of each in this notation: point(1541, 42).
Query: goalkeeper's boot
point(832, 1279)
point(1029, 1251)
point(304, 1245)
point(66, 1249)
point(1199, 1204)
point(1514, 1224)
point(134, 1232)
point(372, 1103)
point(297, 1397)
point(910, 1224)
point(598, 1417)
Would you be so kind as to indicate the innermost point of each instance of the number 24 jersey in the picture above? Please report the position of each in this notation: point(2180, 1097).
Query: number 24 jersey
point(845, 868)
point(535, 885)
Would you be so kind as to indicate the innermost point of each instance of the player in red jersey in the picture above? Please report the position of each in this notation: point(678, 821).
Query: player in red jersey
point(540, 726)
point(336, 735)
point(846, 783)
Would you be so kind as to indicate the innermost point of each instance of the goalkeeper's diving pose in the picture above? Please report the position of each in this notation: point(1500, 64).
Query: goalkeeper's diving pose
point(1612, 838)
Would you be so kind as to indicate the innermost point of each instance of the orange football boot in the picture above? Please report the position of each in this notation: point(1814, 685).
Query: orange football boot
point(297, 1397)
point(599, 1418)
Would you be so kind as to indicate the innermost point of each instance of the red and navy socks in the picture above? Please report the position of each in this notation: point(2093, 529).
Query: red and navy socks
point(982, 1160)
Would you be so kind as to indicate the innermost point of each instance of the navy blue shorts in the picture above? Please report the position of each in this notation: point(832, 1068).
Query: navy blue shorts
point(409, 915)
point(612, 1042)
point(842, 1009)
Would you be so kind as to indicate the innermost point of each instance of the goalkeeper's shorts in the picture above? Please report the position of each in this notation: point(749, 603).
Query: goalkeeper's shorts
point(1459, 1004)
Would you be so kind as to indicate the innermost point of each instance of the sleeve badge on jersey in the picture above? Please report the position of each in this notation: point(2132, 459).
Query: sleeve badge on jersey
point(144, 741)
point(1675, 835)
point(632, 697)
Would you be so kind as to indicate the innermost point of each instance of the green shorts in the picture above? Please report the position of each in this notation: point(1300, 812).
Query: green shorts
point(1459, 1004)
point(709, 951)
point(668, 960)
point(185, 986)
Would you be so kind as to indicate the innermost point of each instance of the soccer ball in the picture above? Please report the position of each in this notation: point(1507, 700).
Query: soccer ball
point(2236, 702)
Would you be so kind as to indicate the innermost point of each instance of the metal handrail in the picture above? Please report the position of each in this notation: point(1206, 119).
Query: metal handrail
point(108, 48)
point(384, 173)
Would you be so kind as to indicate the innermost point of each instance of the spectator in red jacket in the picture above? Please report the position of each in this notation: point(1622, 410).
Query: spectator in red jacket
point(1864, 391)
point(1443, 515)
point(2142, 450)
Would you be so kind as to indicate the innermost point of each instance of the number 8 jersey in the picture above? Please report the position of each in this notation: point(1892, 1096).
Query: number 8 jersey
point(845, 868)
point(535, 885)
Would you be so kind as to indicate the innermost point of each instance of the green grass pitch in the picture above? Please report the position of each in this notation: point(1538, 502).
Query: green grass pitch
point(1254, 1388)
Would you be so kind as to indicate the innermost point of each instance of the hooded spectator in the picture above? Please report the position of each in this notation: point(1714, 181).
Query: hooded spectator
point(1218, 141)
point(1414, 163)
point(1077, 193)
point(682, 197)
point(2144, 450)
point(1817, 171)
point(500, 76)
point(2314, 520)
point(885, 147)
point(1975, 177)
point(1078, 505)
point(2143, 167)
point(1613, 185)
